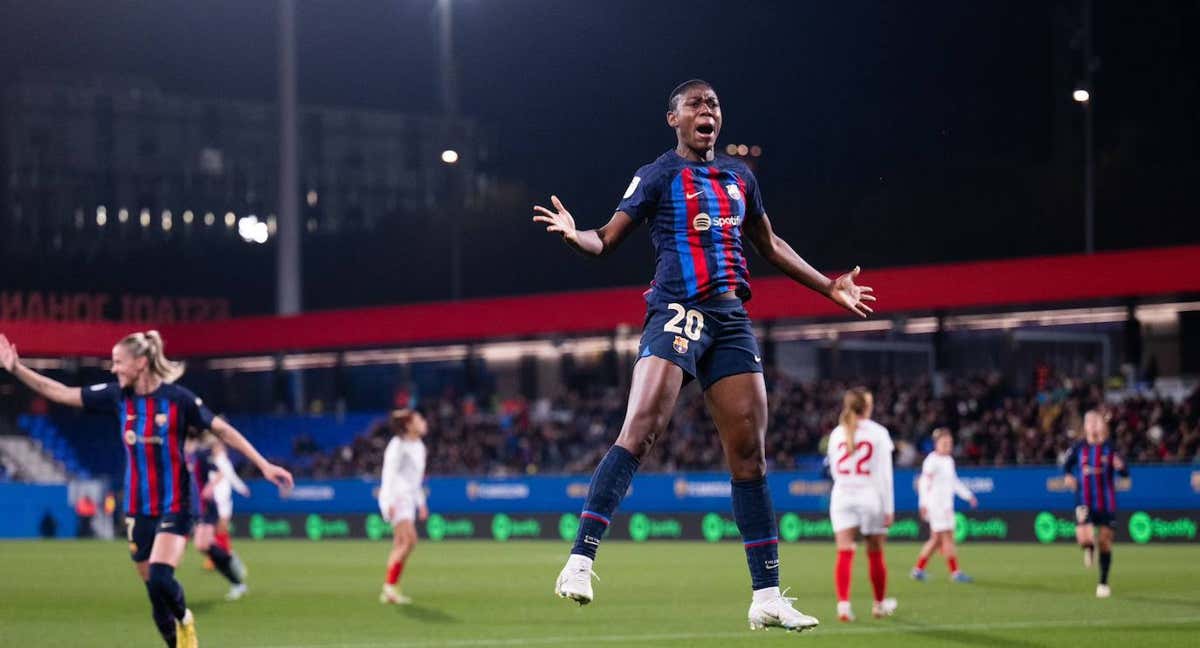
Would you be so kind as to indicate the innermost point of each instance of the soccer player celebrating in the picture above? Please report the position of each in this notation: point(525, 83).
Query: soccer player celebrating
point(697, 205)
point(202, 457)
point(862, 501)
point(155, 414)
point(1090, 467)
point(936, 488)
point(401, 497)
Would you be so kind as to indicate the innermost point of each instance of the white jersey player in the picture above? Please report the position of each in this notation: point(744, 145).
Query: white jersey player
point(225, 480)
point(862, 501)
point(401, 496)
point(936, 488)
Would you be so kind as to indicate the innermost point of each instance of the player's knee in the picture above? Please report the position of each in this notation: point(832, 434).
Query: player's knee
point(161, 576)
point(642, 430)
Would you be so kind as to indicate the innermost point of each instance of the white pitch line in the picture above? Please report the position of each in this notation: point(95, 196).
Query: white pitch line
point(814, 634)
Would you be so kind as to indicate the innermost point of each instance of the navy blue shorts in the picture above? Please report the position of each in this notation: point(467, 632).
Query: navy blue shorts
point(208, 512)
point(1085, 515)
point(141, 529)
point(709, 340)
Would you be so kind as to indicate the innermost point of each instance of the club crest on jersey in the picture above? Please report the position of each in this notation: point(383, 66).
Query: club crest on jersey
point(734, 192)
point(160, 419)
point(702, 222)
point(130, 437)
point(680, 345)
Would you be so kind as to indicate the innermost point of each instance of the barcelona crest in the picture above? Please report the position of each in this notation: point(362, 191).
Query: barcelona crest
point(680, 344)
point(734, 192)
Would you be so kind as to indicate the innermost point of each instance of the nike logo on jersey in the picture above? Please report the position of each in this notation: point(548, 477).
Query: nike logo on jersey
point(693, 195)
point(757, 359)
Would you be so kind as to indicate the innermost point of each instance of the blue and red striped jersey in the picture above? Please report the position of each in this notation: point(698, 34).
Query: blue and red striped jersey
point(153, 427)
point(1092, 465)
point(201, 464)
point(696, 211)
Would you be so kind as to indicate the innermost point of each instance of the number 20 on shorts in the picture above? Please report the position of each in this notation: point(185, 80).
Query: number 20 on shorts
point(693, 322)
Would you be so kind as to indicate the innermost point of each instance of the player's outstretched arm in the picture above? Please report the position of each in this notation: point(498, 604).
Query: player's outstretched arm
point(842, 291)
point(596, 242)
point(234, 439)
point(46, 387)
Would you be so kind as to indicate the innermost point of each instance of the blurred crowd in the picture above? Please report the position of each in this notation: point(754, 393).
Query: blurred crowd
point(994, 425)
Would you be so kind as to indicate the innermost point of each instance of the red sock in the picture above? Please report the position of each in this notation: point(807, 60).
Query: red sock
point(878, 574)
point(221, 539)
point(841, 573)
point(921, 562)
point(952, 561)
point(393, 573)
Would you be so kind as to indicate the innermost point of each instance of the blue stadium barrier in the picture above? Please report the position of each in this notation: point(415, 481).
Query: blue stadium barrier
point(22, 507)
point(998, 489)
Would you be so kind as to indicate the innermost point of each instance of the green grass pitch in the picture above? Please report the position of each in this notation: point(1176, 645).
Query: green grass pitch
point(467, 594)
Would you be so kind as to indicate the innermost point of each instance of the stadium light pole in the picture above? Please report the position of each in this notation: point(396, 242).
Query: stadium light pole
point(1089, 162)
point(450, 159)
point(288, 262)
point(287, 259)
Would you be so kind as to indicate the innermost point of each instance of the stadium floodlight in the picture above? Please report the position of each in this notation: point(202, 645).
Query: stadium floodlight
point(450, 156)
point(1081, 95)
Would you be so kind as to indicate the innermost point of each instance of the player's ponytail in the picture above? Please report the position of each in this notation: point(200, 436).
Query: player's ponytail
point(856, 405)
point(149, 345)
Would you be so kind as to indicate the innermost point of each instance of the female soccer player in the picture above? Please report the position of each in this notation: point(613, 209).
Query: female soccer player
point(401, 497)
point(203, 456)
point(862, 501)
point(1091, 466)
point(697, 205)
point(225, 481)
point(936, 488)
point(155, 415)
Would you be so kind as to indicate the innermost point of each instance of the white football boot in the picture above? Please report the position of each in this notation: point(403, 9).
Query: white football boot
point(777, 612)
point(844, 613)
point(1103, 591)
point(236, 592)
point(884, 608)
point(575, 580)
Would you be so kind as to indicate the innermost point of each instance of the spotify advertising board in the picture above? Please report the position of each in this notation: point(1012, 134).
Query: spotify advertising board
point(1046, 527)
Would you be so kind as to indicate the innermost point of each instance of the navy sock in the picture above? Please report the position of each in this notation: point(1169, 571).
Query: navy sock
point(609, 485)
point(755, 517)
point(224, 564)
point(163, 619)
point(166, 589)
point(1105, 563)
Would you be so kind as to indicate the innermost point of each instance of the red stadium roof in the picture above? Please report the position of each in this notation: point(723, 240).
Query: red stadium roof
point(1137, 273)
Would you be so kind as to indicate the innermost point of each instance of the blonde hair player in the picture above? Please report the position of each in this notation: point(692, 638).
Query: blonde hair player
point(862, 501)
point(401, 497)
point(936, 488)
point(155, 415)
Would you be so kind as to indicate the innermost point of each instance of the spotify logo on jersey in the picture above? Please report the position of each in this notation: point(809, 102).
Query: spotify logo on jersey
point(702, 222)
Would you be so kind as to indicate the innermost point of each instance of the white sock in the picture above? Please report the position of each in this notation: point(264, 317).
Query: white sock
point(580, 562)
point(766, 594)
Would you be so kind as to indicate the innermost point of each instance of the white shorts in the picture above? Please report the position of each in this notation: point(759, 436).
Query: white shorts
point(224, 500)
point(941, 519)
point(868, 517)
point(404, 509)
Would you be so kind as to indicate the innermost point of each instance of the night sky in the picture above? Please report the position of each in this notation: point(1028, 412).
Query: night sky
point(895, 132)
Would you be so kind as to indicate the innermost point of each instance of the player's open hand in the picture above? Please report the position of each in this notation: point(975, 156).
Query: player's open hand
point(8, 354)
point(422, 512)
point(279, 477)
point(558, 221)
point(974, 503)
point(851, 296)
point(889, 519)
